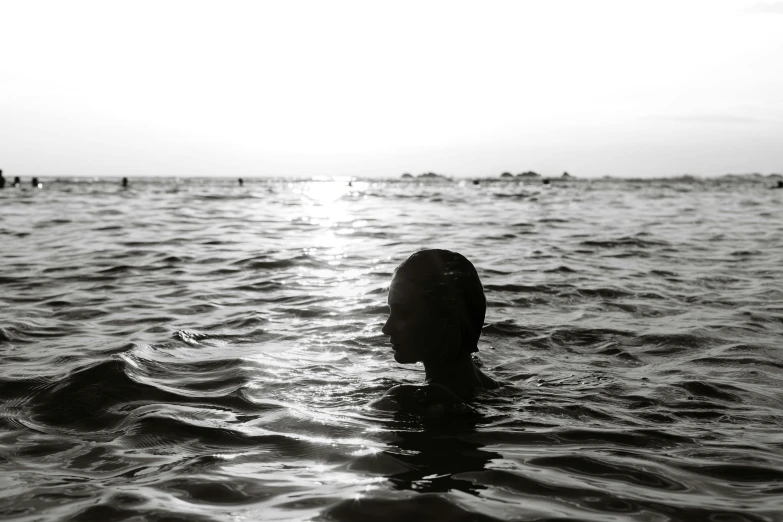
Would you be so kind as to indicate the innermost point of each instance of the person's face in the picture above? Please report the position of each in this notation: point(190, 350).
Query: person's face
point(413, 330)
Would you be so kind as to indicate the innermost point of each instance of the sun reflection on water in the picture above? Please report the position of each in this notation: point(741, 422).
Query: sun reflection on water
point(329, 205)
point(324, 200)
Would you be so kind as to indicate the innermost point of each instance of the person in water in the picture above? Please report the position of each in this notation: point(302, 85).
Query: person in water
point(2, 180)
point(17, 181)
point(437, 309)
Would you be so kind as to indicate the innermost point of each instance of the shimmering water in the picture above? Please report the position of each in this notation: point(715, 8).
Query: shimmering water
point(193, 350)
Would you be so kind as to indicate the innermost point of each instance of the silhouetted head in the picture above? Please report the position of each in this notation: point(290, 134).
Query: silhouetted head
point(437, 308)
point(17, 180)
point(241, 182)
point(124, 182)
point(35, 182)
point(780, 183)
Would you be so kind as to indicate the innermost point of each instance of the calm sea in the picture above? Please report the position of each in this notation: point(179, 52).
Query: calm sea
point(196, 350)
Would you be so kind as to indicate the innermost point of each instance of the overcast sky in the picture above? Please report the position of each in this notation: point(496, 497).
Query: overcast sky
point(301, 88)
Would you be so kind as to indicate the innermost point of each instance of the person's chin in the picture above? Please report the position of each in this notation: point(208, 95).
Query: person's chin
point(402, 359)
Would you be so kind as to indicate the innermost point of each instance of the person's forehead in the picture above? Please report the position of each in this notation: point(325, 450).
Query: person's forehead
point(403, 291)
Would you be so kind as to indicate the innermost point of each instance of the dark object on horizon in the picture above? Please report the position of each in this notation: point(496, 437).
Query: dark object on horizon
point(406, 175)
point(2, 180)
point(35, 183)
point(350, 183)
point(780, 185)
point(241, 182)
point(430, 175)
point(565, 175)
point(546, 182)
point(475, 182)
point(529, 174)
point(124, 182)
point(507, 175)
point(17, 181)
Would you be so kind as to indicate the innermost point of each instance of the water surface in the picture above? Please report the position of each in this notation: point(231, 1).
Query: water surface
point(195, 350)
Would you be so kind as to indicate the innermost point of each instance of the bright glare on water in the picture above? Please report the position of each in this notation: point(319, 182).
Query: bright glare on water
point(196, 350)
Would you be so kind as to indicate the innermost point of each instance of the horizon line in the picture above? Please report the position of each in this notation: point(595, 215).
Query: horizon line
point(427, 176)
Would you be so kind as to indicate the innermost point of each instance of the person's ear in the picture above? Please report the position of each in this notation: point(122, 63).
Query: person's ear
point(451, 339)
point(451, 329)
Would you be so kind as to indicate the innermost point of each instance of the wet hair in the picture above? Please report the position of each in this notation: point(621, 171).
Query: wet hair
point(451, 285)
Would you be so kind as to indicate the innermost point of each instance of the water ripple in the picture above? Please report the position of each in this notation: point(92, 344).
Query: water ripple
point(192, 350)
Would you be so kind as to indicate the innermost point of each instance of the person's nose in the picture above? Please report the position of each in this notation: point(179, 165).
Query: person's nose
point(386, 330)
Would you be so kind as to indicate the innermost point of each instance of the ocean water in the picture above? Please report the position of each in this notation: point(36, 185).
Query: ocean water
point(195, 350)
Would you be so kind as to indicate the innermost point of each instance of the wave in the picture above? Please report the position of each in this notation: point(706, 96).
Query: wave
point(626, 241)
point(167, 354)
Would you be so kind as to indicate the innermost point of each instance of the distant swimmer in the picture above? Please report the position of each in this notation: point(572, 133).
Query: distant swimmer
point(780, 185)
point(17, 182)
point(124, 182)
point(35, 183)
point(241, 182)
point(437, 308)
point(546, 182)
point(2, 180)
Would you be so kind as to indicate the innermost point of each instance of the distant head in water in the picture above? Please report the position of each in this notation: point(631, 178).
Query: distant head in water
point(437, 308)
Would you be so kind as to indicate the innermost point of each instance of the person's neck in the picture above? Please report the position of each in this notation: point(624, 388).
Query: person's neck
point(459, 376)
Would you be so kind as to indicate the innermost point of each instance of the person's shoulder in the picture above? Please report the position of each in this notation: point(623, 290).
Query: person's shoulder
point(409, 393)
point(416, 397)
point(401, 395)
